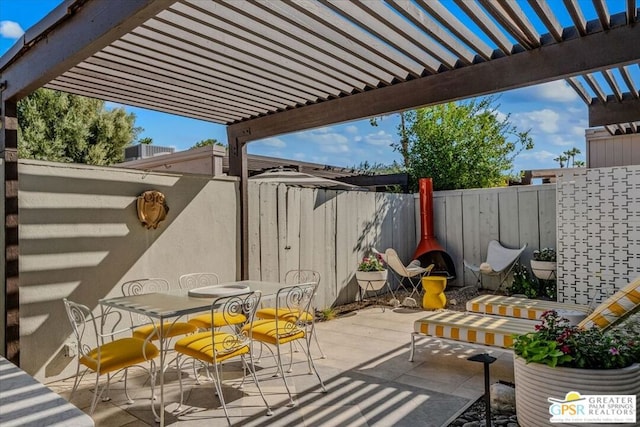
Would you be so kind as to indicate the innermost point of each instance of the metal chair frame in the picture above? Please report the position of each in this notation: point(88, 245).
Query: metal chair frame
point(215, 346)
point(85, 327)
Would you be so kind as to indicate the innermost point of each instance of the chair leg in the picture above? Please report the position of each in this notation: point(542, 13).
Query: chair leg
point(292, 402)
point(255, 380)
point(130, 401)
point(218, 387)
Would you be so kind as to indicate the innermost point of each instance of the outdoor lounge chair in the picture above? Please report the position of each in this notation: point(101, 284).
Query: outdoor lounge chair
point(498, 331)
point(500, 261)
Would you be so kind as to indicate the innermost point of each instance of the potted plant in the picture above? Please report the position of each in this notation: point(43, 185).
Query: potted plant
point(543, 264)
point(371, 273)
point(558, 359)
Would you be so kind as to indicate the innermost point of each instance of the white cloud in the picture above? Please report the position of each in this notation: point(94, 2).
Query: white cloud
point(558, 91)
point(541, 156)
point(351, 129)
point(380, 138)
point(553, 92)
point(273, 142)
point(327, 140)
point(545, 120)
point(579, 130)
point(357, 138)
point(10, 29)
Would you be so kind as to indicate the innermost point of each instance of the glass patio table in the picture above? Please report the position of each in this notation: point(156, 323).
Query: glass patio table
point(170, 306)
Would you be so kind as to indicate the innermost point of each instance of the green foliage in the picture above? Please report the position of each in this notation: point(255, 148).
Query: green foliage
point(522, 282)
point(61, 127)
point(461, 145)
point(372, 262)
point(534, 348)
point(556, 343)
point(525, 284)
point(563, 159)
point(329, 313)
point(207, 142)
point(146, 140)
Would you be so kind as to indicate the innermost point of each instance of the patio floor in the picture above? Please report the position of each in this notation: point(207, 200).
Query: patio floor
point(369, 379)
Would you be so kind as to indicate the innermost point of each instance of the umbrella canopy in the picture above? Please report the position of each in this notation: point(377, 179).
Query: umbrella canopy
point(300, 179)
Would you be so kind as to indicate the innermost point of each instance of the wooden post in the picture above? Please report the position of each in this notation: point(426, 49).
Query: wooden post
point(10, 291)
point(238, 167)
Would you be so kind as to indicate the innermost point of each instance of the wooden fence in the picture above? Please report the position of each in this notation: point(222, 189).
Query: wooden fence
point(330, 231)
point(466, 220)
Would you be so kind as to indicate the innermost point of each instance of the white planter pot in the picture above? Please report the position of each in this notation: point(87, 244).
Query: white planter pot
point(536, 382)
point(544, 270)
point(372, 280)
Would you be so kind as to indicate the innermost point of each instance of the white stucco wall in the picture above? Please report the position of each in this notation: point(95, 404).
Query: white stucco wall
point(80, 237)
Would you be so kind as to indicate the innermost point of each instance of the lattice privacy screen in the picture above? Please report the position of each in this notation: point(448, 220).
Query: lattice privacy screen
point(598, 231)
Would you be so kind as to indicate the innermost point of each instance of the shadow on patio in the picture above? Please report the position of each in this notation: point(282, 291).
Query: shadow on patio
point(367, 374)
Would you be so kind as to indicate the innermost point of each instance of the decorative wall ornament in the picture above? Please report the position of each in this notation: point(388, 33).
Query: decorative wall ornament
point(152, 208)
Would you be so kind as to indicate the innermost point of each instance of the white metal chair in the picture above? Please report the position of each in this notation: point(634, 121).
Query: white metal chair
point(294, 277)
point(106, 356)
point(411, 274)
point(215, 346)
point(296, 300)
point(500, 261)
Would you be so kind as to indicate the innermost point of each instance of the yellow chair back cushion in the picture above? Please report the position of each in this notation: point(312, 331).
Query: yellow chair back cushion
point(615, 307)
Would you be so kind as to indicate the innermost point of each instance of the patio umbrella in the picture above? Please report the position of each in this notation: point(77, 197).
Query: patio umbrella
point(300, 179)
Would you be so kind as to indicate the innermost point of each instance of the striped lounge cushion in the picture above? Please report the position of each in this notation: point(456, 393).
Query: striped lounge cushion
point(615, 308)
point(473, 328)
point(522, 308)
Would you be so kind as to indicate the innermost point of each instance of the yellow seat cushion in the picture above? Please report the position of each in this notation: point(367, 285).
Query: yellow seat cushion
point(204, 321)
point(119, 354)
point(265, 331)
point(169, 329)
point(614, 308)
point(522, 308)
point(283, 313)
point(200, 346)
point(473, 328)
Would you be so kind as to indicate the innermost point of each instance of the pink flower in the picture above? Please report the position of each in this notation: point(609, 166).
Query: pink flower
point(614, 351)
point(565, 349)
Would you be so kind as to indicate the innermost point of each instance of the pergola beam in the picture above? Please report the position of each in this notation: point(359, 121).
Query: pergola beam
point(627, 110)
point(592, 53)
point(96, 25)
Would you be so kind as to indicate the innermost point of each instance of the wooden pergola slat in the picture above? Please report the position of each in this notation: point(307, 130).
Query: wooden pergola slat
point(453, 24)
point(492, 31)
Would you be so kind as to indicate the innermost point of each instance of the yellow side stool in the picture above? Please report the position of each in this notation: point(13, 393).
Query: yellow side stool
point(434, 297)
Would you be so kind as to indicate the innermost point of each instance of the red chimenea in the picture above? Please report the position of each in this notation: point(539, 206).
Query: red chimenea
point(429, 250)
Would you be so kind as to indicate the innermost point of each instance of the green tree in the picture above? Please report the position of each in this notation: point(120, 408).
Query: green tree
point(561, 159)
point(462, 145)
point(146, 140)
point(206, 142)
point(61, 127)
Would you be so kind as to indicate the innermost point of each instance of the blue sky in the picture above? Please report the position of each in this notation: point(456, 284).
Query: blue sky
point(554, 113)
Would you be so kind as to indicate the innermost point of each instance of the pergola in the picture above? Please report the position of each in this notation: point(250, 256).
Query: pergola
point(265, 68)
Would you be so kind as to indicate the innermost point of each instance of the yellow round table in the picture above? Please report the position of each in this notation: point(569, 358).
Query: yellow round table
point(434, 297)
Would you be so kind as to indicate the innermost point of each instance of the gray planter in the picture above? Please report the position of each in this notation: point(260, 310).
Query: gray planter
point(535, 383)
point(544, 270)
